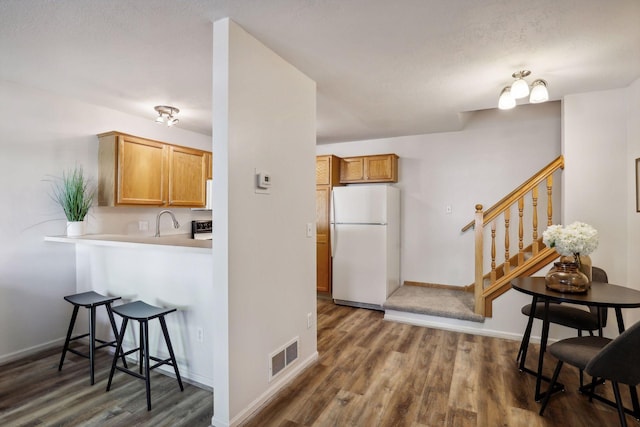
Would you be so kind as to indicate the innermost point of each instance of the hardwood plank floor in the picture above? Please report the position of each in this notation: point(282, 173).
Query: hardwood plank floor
point(377, 373)
point(34, 393)
point(370, 373)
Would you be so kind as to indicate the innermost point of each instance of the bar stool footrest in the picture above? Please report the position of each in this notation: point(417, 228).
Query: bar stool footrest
point(130, 372)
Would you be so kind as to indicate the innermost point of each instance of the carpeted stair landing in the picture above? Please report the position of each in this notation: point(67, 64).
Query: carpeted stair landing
point(440, 302)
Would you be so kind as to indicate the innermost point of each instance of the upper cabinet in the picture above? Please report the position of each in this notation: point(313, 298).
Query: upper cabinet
point(327, 170)
point(378, 168)
point(187, 177)
point(143, 172)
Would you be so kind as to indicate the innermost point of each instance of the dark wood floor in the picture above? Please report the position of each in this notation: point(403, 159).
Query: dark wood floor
point(377, 373)
point(34, 393)
point(370, 373)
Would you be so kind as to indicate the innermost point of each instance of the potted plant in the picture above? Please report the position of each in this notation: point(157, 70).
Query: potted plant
point(74, 193)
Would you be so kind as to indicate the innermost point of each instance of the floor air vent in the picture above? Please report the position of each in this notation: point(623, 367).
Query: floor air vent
point(283, 357)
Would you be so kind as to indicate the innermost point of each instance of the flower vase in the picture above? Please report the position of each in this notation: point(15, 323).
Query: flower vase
point(566, 277)
point(75, 228)
point(585, 264)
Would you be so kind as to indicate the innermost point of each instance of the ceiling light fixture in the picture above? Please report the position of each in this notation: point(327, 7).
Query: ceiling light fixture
point(166, 114)
point(520, 89)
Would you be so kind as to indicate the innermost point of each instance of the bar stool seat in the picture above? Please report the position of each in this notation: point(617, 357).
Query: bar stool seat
point(89, 300)
point(143, 312)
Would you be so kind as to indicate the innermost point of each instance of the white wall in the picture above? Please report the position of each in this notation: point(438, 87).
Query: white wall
point(264, 264)
point(42, 135)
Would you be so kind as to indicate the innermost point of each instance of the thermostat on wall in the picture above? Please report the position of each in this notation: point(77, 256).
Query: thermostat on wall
point(263, 182)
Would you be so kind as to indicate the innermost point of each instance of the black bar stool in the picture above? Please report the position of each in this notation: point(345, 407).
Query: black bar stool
point(89, 300)
point(143, 312)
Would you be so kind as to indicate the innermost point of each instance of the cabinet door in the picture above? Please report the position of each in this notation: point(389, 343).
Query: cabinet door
point(323, 170)
point(383, 168)
point(187, 177)
point(209, 157)
point(323, 243)
point(142, 172)
point(352, 169)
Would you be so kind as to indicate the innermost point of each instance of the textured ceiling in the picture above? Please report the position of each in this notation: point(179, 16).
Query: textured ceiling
point(383, 68)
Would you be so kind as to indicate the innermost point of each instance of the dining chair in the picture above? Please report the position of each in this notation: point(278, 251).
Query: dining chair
point(605, 359)
point(566, 315)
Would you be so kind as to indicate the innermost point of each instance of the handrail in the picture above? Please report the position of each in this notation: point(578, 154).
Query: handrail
point(511, 198)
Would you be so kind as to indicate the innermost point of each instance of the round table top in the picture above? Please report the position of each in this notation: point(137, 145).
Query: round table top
point(600, 294)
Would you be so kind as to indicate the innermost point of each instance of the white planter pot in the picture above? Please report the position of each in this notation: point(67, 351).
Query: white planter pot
point(75, 228)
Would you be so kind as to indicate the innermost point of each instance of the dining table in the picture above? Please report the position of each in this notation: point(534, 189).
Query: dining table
point(599, 295)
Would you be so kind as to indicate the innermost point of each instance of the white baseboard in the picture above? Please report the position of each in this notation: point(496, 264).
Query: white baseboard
point(25, 352)
point(455, 325)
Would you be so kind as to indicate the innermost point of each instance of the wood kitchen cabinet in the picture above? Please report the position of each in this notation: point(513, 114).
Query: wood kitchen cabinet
point(327, 176)
point(187, 177)
point(144, 172)
point(209, 158)
point(369, 169)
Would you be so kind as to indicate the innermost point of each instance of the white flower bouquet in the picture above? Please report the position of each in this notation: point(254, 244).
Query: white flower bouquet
point(574, 240)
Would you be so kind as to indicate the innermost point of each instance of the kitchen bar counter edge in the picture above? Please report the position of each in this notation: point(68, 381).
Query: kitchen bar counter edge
point(182, 242)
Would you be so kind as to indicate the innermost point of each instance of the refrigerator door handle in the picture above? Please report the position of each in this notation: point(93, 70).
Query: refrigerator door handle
point(332, 223)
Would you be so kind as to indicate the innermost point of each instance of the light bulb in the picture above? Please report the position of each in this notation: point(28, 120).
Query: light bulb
point(506, 101)
point(519, 88)
point(539, 92)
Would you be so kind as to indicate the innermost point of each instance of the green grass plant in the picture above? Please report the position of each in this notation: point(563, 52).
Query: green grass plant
point(74, 193)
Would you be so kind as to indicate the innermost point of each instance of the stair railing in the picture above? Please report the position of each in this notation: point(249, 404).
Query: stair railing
point(531, 254)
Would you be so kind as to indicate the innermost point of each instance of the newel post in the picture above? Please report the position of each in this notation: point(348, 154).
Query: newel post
point(479, 285)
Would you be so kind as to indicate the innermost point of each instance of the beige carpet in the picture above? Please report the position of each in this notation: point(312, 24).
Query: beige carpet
point(434, 302)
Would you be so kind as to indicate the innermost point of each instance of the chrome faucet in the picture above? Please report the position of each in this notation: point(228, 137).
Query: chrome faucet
point(176, 224)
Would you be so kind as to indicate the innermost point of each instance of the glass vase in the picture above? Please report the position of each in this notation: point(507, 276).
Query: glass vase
point(585, 264)
point(567, 277)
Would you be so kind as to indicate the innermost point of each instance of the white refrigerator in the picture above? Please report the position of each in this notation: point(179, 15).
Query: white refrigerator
point(365, 244)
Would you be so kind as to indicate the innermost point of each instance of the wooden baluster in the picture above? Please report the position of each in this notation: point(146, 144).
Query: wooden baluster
point(549, 202)
point(507, 263)
point(479, 268)
point(520, 231)
point(493, 252)
point(534, 203)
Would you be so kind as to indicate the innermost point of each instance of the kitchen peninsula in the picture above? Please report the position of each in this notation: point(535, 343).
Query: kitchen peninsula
point(168, 271)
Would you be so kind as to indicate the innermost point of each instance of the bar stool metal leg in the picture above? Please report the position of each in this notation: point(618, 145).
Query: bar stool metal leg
point(165, 332)
point(92, 342)
point(69, 332)
point(147, 368)
point(118, 351)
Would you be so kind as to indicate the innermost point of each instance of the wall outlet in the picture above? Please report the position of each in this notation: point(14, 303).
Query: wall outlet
point(143, 225)
point(309, 320)
point(200, 335)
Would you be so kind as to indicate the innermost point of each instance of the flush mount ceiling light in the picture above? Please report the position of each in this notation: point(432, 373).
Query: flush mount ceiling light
point(166, 114)
point(520, 89)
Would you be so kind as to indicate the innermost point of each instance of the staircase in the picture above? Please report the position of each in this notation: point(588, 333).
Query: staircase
point(493, 234)
point(530, 258)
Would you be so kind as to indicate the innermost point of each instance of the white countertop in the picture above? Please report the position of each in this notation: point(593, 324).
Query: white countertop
point(175, 241)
